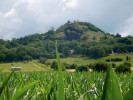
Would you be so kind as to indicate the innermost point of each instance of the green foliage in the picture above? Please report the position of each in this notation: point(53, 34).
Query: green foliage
point(21, 92)
point(96, 52)
point(125, 41)
point(122, 69)
point(113, 65)
point(111, 90)
point(114, 59)
point(82, 68)
point(5, 82)
point(27, 57)
point(42, 60)
point(54, 65)
point(73, 66)
point(100, 66)
point(128, 95)
point(127, 64)
point(61, 95)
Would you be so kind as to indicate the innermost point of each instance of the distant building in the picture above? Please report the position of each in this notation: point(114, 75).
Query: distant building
point(72, 51)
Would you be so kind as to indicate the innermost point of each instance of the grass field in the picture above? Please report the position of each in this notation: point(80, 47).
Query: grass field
point(36, 66)
point(85, 60)
point(26, 66)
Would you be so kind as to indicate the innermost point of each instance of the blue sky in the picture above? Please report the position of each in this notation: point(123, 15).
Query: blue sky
point(23, 17)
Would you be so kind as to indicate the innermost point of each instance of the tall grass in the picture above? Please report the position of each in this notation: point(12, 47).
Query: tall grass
point(61, 95)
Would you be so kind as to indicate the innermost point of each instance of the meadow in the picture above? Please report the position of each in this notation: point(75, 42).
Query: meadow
point(36, 66)
point(38, 82)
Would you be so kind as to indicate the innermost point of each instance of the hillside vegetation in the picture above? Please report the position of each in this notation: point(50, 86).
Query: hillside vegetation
point(74, 38)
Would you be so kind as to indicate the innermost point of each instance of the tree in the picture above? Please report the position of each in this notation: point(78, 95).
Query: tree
point(2, 57)
point(127, 58)
point(101, 66)
point(54, 65)
point(11, 56)
point(42, 60)
point(21, 55)
point(117, 35)
point(27, 57)
point(66, 51)
point(82, 68)
point(123, 69)
point(96, 52)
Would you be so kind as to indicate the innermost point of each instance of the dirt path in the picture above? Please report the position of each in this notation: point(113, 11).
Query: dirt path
point(131, 68)
point(70, 70)
point(38, 67)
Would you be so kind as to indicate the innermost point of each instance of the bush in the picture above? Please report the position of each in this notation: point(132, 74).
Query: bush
point(42, 60)
point(82, 68)
point(61, 55)
point(127, 64)
point(100, 66)
point(122, 69)
point(90, 66)
point(114, 59)
point(73, 66)
point(47, 63)
point(113, 65)
point(54, 65)
point(67, 66)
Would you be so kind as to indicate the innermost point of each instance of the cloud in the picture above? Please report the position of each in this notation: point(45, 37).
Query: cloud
point(127, 27)
point(23, 17)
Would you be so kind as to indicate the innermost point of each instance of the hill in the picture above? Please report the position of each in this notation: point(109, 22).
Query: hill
point(79, 31)
point(74, 38)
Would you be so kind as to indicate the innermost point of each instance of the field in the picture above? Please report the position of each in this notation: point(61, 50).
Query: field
point(38, 82)
point(75, 84)
point(26, 66)
point(35, 66)
point(86, 61)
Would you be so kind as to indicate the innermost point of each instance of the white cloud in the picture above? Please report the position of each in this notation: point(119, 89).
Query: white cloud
point(127, 27)
point(71, 3)
point(23, 17)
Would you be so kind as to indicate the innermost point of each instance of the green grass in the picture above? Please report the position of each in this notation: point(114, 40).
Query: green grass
point(85, 60)
point(36, 66)
point(26, 66)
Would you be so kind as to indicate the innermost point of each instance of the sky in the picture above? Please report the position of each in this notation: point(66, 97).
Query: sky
point(19, 18)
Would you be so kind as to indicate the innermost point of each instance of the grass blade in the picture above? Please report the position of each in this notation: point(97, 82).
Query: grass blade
point(128, 95)
point(22, 92)
point(111, 90)
point(5, 82)
point(61, 95)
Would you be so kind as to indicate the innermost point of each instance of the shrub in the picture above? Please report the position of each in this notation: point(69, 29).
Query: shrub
point(61, 55)
point(122, 69)
point(73, 66)
point(82, 68)
point(114, 59)
point(127, 64)
point(113, 65)
point(42, 60)
point(47, 63)
point(55, 66)
point(67, 66)
point(90, 66)
point(100, 66)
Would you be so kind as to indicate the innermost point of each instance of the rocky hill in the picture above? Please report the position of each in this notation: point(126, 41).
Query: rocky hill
point(77, 31)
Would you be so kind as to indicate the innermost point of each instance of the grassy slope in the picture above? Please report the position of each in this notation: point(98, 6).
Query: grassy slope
point(35, 66)
point(26, 66)
point(84, 60)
